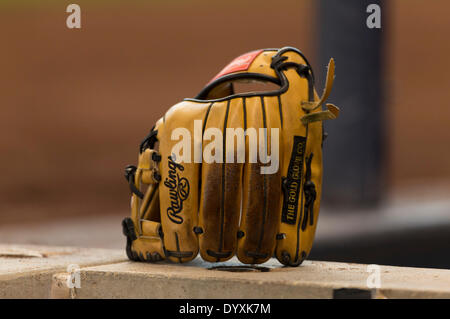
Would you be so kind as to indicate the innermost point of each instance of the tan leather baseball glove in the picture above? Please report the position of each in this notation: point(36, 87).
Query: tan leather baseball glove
point(229, 173)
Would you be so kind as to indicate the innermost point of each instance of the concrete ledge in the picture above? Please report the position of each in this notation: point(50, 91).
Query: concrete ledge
point(311, 280)
point(41, 272)
point(26, 270)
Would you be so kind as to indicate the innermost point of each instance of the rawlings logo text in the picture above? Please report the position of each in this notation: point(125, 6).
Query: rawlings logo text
point(178, 190)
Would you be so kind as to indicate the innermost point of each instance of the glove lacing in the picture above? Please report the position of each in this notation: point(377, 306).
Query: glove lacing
point(332, 111)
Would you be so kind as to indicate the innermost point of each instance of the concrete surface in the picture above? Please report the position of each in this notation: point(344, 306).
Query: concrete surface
point(26, 270)
point(409, 231)
point(29, 271)
point(194, 280)
point(106, 231)
point(397, 214)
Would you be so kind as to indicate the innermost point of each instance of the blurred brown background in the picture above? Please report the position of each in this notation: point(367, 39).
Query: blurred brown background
point(75, 104)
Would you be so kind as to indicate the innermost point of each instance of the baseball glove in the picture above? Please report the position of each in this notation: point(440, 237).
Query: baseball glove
point(229, 173)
